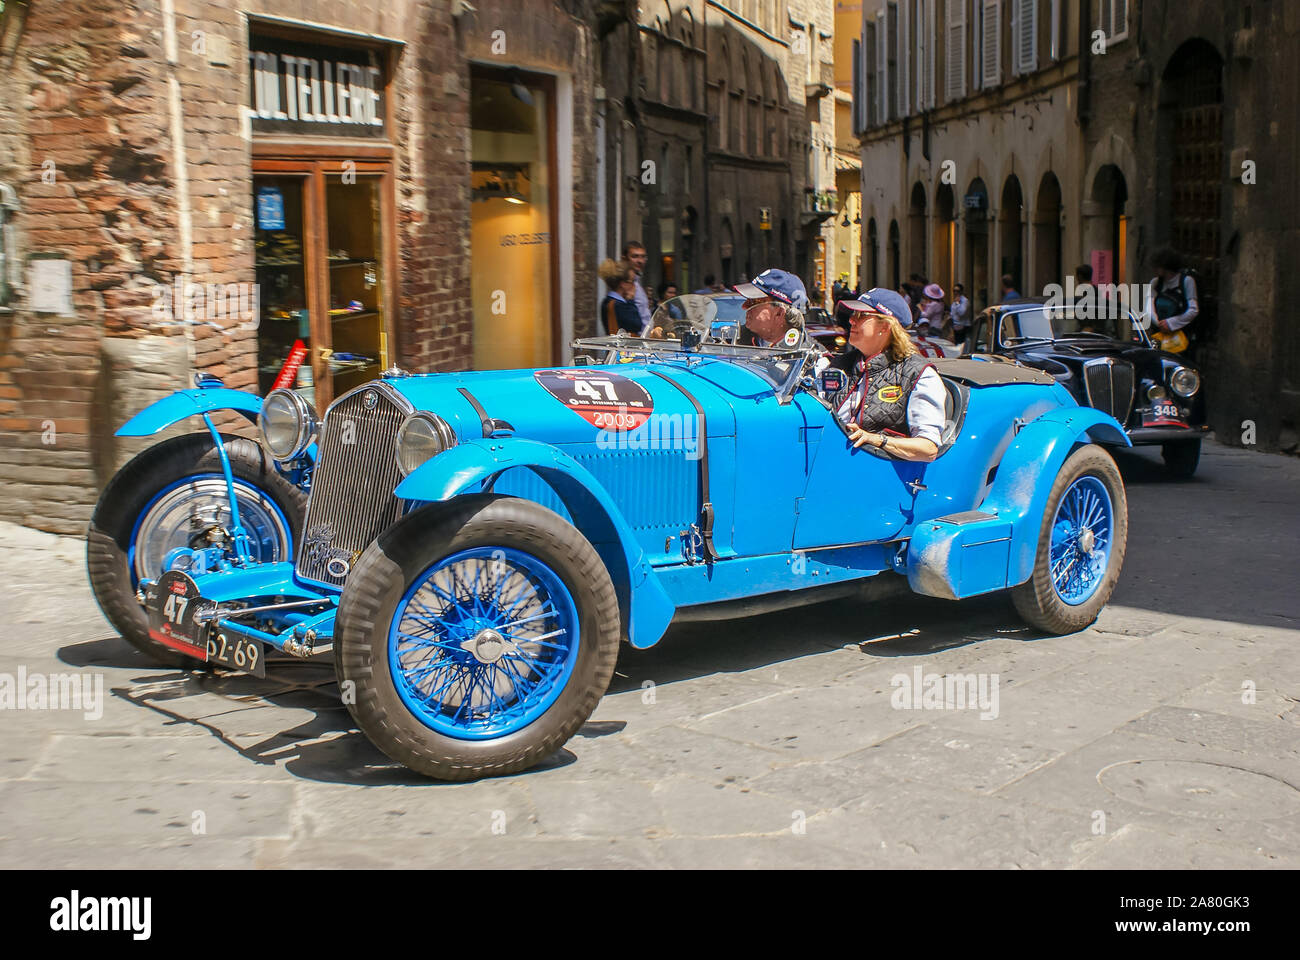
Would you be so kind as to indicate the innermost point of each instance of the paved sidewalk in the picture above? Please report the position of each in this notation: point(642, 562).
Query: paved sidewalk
point(1167, 735)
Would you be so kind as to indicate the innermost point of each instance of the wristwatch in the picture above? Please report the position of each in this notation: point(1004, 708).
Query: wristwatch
point(884, 442)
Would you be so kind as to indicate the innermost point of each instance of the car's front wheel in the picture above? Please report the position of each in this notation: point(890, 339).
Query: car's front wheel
point(1181, 458)
point(1080, 545)
point(474, 638)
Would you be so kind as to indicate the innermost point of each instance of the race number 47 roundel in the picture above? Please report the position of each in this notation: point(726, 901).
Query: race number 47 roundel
point(609, 401)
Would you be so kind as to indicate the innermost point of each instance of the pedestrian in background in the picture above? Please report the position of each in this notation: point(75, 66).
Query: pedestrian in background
point(1009, 291)
point(932, 306)
point(617, 310)
point(634, 253)
point(667, 291)
point(708, 287)
point(959, 313)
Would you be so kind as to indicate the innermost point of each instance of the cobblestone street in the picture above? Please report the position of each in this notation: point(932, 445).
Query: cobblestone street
point(767, 742)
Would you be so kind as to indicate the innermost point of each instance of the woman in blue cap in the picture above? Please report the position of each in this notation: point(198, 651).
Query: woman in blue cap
point(898, 403)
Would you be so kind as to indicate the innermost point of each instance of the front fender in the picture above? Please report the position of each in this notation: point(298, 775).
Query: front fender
point(1029, 468)
point(189, 403)
point(646, 608)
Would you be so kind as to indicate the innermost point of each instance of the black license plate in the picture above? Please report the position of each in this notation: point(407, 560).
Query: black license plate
point(230, 649)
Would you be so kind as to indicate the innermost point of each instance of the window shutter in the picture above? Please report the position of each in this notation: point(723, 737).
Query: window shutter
point(882, 70)
point(868, 68)
point(920, 28)
point(902, 72)
point(1121, 18)
point(930, 53)
point(858, 98)
point(1055, 41)
point(954, 87)
point(991, 39)
point(1024, 34)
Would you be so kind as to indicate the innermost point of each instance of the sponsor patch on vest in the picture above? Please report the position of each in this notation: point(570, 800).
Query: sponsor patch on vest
point(889, 394)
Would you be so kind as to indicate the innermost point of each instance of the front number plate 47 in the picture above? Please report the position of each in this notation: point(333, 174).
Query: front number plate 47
point(172, 602)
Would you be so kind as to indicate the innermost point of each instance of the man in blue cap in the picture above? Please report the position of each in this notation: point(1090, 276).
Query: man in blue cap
point(898, 403)
point(775, 302)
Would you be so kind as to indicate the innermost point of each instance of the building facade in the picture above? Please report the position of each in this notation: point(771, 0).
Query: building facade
point(716, 130)
point(1026, 137)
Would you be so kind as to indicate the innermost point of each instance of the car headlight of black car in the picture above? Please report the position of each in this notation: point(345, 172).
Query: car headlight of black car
point(1156, 392)
point(421, 437)
point(288, 424)
point(1184, 381)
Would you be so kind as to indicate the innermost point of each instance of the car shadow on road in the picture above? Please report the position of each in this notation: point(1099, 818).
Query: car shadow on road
point(262, 719)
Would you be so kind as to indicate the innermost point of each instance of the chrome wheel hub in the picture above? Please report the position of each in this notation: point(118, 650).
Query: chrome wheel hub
point(1087, 540)
point(487, 646)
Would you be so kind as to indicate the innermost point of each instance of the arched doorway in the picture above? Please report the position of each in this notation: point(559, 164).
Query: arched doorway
point(945, 238)
point(1047, 233)
point(916, 238)
point(1106, 231)
point(1011, 224)
point(892, 268)
point(977, 244)
point(1190, 125)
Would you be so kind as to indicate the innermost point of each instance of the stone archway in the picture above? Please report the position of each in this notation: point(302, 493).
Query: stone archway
point(917, 241)
point(945, 239)
point(1048, 268)
point(978, 288)
point(1011, 227)
point(1106, 227)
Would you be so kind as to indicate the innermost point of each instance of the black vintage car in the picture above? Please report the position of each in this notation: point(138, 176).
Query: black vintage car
point(1109, 364)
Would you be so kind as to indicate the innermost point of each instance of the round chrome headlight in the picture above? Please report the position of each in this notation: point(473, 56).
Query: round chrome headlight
point(1156, 392)
point(287, 423)
point(422, 436)
point(1185, 381)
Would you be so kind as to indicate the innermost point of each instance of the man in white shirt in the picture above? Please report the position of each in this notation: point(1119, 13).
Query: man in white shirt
point(1171, 297)
point(960, 313)
point(634, 253)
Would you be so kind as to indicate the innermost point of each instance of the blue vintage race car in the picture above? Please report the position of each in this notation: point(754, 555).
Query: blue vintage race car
point(472, 547)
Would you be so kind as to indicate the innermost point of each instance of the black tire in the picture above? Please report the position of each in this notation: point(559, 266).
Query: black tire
point(1181, 458)
point(132, 489)
point(389, 566)
point(1036, 599)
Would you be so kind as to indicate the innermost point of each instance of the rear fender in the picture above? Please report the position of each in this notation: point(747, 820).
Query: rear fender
point(1029, 468)
point(189, 403)
point(644, 605)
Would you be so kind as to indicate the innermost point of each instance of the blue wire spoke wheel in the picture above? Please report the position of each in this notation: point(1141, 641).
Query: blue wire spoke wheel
point(474, 637)
point(1081, 542)
point(1081, 537)
point(483, 642)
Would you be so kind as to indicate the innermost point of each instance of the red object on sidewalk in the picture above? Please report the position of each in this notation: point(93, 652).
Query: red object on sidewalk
point(289, 372)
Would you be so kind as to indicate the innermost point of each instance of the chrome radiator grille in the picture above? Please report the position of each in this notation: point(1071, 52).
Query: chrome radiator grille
point(352, 498)
point(1109, 384)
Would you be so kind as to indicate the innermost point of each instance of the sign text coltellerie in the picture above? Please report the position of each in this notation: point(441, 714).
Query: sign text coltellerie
point(314, 90)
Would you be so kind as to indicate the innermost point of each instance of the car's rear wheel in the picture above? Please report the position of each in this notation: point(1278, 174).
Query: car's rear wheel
point(1181, 458)
point(172, 497)
point(474, 638)
point(1080, 546)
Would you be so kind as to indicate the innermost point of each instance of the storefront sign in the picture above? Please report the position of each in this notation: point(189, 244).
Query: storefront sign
point(315, 89)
